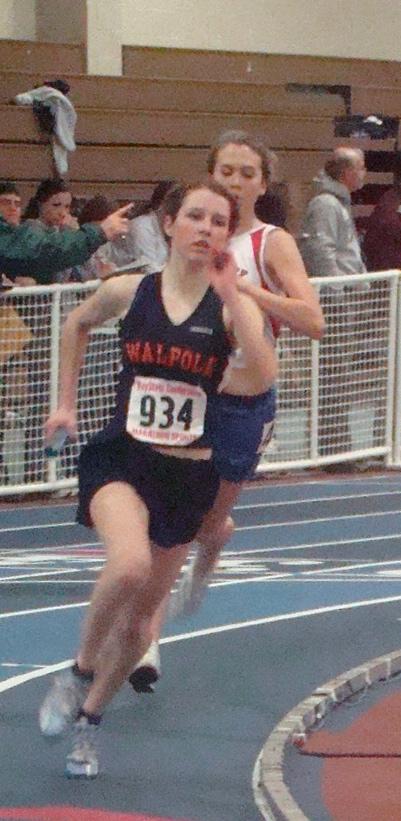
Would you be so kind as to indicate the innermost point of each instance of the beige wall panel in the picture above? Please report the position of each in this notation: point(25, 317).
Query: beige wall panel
point(17, 19)
point(368, 29)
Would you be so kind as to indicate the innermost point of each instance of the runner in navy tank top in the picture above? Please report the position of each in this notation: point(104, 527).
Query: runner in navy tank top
point(147, 480)
point(272, 272)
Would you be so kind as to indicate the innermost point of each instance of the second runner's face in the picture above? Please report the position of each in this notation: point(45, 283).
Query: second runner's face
point(201, 226)
point(239, 169)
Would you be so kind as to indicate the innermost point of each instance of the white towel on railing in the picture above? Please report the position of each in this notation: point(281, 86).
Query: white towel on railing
point(65, 116)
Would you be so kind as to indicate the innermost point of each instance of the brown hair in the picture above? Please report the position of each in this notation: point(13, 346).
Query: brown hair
point(176, 196)
point(236, 137)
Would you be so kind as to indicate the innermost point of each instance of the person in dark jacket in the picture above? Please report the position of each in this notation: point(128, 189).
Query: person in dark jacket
point(26, 252)
point(382, 241)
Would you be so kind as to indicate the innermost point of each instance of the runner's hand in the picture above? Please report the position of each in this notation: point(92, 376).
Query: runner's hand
point(223, 275)
point(61, 418)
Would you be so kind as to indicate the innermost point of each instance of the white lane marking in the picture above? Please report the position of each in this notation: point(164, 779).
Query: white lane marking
point(19, 664)
point(52, 581)
point(46, 526)
point(22, 576)
point(308, 545)
point(50, 525)
point(15, 681)
point(22, 551)
point(34, 611)
point(272, 577)
point(352, 496)
point(341, 568)
point(301, 522)
point(300, 614)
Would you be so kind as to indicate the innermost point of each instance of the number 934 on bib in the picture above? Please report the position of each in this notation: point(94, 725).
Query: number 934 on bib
point(166, 412)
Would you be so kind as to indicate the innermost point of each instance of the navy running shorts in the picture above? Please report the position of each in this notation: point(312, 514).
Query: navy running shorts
point(238, 428)
point(177, 492)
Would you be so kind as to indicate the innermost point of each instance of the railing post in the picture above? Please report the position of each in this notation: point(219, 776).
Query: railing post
point(395, 432)
point(55, 322)
point(314, 409)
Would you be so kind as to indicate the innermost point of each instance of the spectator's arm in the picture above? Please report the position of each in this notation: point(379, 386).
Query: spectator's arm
point(25, 251)
point(320, 239)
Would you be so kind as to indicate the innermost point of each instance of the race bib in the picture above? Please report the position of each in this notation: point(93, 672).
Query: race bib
point(165, 412)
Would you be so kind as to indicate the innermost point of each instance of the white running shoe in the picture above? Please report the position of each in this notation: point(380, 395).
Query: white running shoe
point(147, 671)
point(62, 703)
point(188, 597)
point(82, 761)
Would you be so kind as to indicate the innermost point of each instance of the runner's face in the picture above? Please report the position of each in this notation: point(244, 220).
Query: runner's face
point(201, 225)
point(56, 209)
point(239, 169)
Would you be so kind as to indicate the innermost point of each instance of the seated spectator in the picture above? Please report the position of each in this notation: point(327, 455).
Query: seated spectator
point(50, 210)
point(10, 211)
point(95, 211)
point(145, 241)
point(26, 251)
point(14, 336)
point(382, 241)
point(10, 203)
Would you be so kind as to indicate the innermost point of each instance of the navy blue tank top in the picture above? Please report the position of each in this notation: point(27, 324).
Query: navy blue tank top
point(194, 352)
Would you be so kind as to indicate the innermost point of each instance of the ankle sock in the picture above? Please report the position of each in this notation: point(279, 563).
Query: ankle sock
point(84, 675)
point(91, 718)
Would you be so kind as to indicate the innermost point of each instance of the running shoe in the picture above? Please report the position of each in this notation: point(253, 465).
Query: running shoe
point(82, 761)
point(147, 671)
point(62, 703)
point(188, 597)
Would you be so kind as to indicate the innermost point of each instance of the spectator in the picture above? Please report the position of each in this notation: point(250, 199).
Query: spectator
point(145, 241)
point(95, 210)
point(329, 244)
point(272, 207)
point(24, 250)
point(10, 211)
point(50, 210)
point(10, 203)
point(382, 241)
point(330, 247)
point(14, 335)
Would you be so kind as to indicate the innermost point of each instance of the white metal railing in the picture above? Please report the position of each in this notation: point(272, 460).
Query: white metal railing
point(338, 399)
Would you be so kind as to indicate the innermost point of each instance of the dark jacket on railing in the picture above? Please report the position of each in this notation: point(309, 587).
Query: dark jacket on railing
point(24, 251)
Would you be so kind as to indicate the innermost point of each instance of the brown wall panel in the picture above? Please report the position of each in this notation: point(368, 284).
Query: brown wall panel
point(183, 95)
point(51, 59)
point(115, 164)
point(268, 68)
point(374, 100)
point(110, 127)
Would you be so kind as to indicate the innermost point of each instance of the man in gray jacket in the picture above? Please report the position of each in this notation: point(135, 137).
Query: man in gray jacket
point(328, 240)
point(330, 247)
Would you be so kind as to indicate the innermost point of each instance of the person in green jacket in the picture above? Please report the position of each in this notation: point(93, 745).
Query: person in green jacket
point(24, 251)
